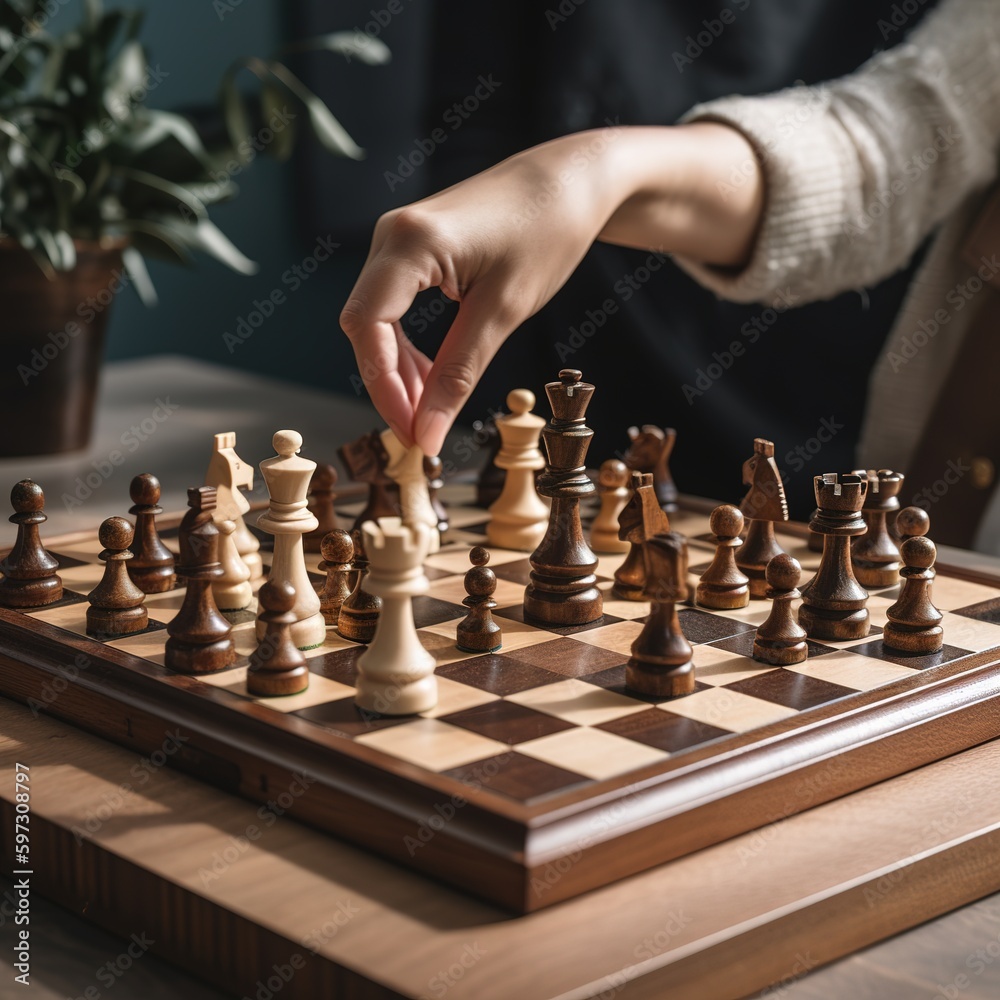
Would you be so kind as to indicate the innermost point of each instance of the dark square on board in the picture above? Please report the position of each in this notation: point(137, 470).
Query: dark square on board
point(663, 730)
point(516, 776)
point(499, 674)
point(507, 722)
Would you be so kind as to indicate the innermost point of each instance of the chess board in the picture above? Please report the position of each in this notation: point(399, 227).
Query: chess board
point(538, 776)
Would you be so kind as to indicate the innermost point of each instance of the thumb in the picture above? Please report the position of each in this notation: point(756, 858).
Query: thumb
point(481, 325)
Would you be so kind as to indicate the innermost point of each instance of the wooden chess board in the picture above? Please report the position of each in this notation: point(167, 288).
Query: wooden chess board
point(538, 776)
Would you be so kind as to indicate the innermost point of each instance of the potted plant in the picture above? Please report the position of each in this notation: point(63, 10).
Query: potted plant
point(92, 181)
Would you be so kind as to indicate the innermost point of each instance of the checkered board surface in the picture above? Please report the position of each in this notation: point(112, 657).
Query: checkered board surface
point(549, 713)
point(545, 723)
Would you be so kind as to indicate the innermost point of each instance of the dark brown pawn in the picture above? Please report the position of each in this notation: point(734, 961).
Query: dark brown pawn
point(722, 585)
point(640, 519)
point(780, 640)
point(276, 666)
point(116, 606)
point(200, 640)
point(151, 568)
point(477, 631)
point(875, 554)
point(834, 604)
point(29, 572)
point(661, 663)
point(338, 551)
point(489, 483)
point(434, 471)
point(359, 612)
point(650, 451)
point(911, 522)
point(321, 498)
point(914, 624)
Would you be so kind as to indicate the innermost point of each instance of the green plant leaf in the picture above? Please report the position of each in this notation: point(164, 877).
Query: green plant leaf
point(350, 44)
point(234, 109)
point(135, 264)
point(272, 106)
point(125, 78)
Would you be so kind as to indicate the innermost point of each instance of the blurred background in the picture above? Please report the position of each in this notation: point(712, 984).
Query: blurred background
point(491, 78)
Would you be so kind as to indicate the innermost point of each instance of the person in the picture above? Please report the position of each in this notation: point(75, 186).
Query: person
point(780, 199)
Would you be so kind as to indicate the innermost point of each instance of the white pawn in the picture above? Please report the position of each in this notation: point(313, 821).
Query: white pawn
point(519, 517)
point(227, 472)
point(396, 673)
point(406, 469)
point(232, 591)
point(288, 518)
point(612, 482)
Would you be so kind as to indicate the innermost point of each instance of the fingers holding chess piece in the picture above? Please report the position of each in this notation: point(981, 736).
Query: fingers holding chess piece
point(478, 632)
point(151, 567)
point(29, 572)
point(337, 551)
point(723, 586)
point(914, 624)
point(116, 603)
point(277, 665)
point(612, 484)
point(780, 640)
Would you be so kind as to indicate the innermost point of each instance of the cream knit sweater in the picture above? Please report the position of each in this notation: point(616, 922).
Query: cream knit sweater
point(858, 171)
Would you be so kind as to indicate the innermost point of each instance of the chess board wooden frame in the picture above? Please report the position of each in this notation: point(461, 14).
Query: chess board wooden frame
point(523, 856)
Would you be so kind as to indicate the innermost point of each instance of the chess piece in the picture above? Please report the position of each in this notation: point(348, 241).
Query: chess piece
point(563, 588)
point(29, 572)
point(199, 638)
point(612, 484)
point(640, 519)
point(116, 606)
point(337, 551)
point(489, 482)
point(477, 631)
point(277, 666)
point(151, 567)
point(232, 590)
point(722, 585)
point(914, 624)
point(649, 451)
point(780, 640)
point(661, 664)
point(911, 522)
point(360, 611)
point(288, 519)
point(834, 604)
point(875, 554)
point(396, 673)
point(365, 461)
point(518, 516)
point(321, 498)
point(406, 469)
point(763, 505)
point(227, 472)
point(434, 471)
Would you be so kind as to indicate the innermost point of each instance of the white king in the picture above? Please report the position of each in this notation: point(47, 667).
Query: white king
point(288, 519)
point(396, 673)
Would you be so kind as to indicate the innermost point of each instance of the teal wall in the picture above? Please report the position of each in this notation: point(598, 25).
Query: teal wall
point(301, 340)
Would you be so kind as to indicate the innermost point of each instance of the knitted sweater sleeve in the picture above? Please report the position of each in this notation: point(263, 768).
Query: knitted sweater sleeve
point(859, 170)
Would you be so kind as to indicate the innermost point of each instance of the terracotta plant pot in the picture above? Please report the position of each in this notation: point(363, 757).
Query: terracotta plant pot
point(52, 337)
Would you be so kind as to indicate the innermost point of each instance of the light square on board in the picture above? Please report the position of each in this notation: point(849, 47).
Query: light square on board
point(82, 579)
point(432, 744)
point(592, 752)
point(456, 697)
point(851, 670)
point(452, 589)
point(726, 709)
point(458, 561)
point(617, 637)
point(716, 666)
point(577, 701)
point(969, 633)
point(627, 610)
point(516, 635)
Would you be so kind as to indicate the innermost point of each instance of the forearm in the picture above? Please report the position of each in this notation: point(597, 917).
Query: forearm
point(695, 190)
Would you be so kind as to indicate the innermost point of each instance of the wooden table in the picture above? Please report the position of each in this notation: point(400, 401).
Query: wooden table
point(170, 858)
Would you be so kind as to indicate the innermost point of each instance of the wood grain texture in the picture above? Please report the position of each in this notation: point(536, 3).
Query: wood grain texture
point(227, 892)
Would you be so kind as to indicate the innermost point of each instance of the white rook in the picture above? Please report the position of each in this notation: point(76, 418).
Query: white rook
point(396, 673)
